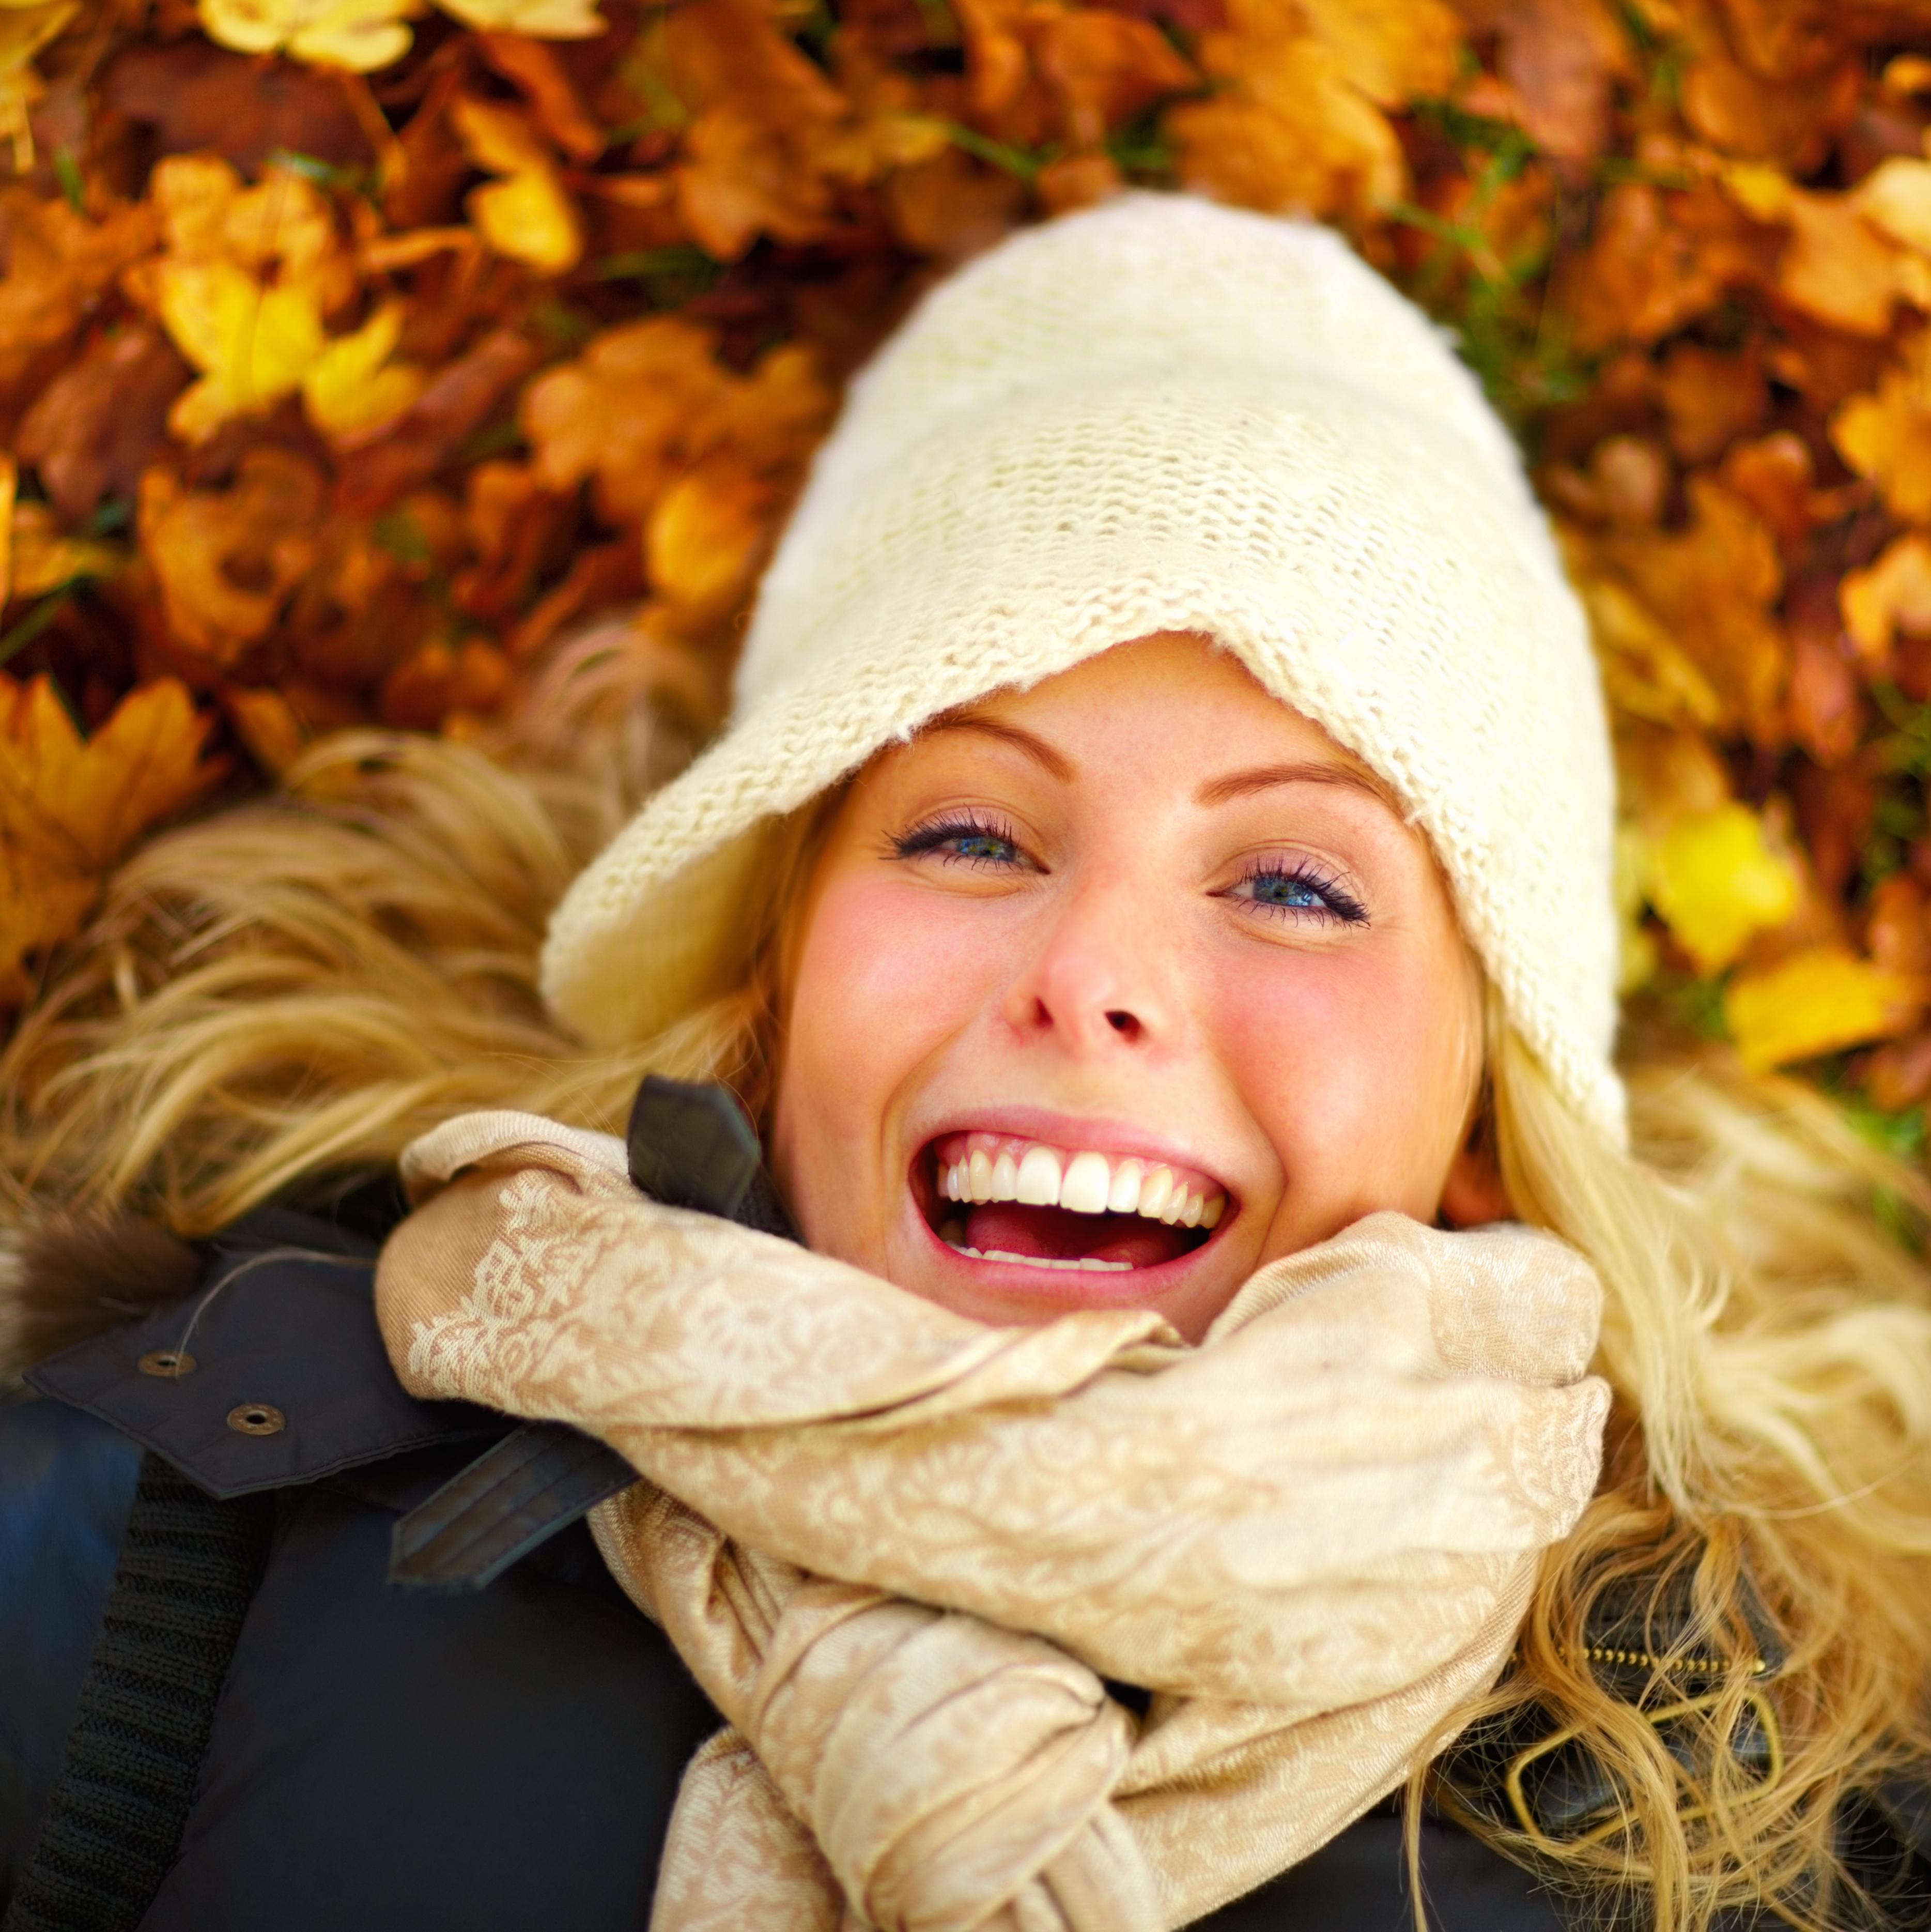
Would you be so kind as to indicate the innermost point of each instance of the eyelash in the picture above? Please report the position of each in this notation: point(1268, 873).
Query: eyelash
point(1338, 904)
point(922, 839)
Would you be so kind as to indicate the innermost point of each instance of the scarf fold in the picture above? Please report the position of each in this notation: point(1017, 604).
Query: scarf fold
point(902, 1552)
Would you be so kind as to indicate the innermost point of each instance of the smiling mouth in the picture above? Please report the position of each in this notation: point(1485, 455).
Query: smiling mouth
point(1002, 1199)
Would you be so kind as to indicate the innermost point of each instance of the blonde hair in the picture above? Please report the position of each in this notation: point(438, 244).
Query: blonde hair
point(286, 993)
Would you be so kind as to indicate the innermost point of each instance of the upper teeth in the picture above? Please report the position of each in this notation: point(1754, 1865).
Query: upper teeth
point(983, 1167)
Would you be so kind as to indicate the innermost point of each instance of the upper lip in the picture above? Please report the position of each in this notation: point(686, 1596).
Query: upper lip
point(1120, 1140)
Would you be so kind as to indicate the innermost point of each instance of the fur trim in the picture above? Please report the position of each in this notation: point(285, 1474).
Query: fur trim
point(69, 1277)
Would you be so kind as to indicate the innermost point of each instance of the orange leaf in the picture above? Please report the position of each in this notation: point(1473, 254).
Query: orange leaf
point(70, 807)
point(704, 537)
point(1893, 594)
point(1886, 435)
point(226, 560)
point(1106, 67)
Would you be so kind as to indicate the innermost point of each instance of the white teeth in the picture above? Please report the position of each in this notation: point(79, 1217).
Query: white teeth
point(1085, 1183)
point(1084, 1263)
point(1039, 1178)
point(1154, 1191)
point(1084, 1188)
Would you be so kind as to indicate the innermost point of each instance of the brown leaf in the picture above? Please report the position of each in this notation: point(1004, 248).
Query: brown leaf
point(1711, 398)
point(96, 426)
point(1826, 703)
point(951, 207)
point(192, 98)
point(1644, 274)
point(1561, 57)
point(457, 401)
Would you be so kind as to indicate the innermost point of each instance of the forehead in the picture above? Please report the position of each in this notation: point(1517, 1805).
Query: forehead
point(1173, 698)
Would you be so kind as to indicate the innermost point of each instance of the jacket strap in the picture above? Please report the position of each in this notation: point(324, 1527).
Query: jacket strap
point(188, 1569)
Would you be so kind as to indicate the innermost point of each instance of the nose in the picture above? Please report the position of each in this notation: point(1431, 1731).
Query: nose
point(1102, 978)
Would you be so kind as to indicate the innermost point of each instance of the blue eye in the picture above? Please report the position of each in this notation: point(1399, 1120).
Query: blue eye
point(1285, 891)
point(969, 842)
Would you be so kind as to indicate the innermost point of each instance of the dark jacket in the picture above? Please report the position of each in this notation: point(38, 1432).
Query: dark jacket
point(195, 1586)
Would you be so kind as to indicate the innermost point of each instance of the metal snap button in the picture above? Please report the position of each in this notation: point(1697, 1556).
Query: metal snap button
point(170, 1364)
point(256, 1418)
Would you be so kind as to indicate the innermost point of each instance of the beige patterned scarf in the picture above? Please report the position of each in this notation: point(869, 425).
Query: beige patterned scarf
point(902, 1550)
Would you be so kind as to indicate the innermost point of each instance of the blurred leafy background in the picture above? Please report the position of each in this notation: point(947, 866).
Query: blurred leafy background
point(358, 357)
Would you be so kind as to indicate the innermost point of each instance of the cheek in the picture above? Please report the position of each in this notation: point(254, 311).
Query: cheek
point(885, 979)
point(1358, 1069)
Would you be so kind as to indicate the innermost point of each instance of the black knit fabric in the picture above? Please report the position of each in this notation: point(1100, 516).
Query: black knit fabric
point(189, 1568)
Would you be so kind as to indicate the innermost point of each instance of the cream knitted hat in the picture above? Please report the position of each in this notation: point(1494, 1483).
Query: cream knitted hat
point(1160, 416)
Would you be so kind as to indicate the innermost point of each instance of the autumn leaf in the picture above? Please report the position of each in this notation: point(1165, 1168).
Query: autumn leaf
point(24, 31)
point(226, 560)
point(1813, 1003)
point(525, 214)
point(1296, 125)
point(1886, 435)
point(70, 807)
point(43, 557)
point(361, 35)
point(352, 387)
point(543, 19)
point(1715, 881)
point(1893, 594)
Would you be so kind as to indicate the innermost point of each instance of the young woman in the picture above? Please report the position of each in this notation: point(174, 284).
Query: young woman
point(1154, 901)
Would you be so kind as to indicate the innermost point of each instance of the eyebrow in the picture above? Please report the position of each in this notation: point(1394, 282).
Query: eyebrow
point(1037, 749)
point(1265, 778)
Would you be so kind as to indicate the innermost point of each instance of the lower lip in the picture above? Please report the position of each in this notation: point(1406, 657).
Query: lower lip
point(1076, 1287)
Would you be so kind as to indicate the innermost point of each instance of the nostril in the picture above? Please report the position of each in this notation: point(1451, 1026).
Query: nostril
point(1123, 1023)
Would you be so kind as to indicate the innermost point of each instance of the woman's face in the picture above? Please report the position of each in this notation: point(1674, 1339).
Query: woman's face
point(1110, 990)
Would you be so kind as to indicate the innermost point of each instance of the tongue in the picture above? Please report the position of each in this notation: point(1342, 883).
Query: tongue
point(1056, 1233)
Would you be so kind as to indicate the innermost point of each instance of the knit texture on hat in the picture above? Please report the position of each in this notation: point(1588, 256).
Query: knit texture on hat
point(1161, 415)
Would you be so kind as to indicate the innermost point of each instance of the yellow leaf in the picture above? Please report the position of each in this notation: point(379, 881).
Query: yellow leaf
point(70, 807)
point(1763, 192)
point(1816, 1002)
point(541, 19)
point(529, 219)
point(360, 35)
point(526, 217)
point(1715, 881)
point(353, 387)
point(255, 345)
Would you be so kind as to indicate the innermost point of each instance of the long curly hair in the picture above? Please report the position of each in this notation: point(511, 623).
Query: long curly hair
point(278, 998)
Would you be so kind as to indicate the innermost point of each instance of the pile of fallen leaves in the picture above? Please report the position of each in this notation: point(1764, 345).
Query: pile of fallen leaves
point(353, 353)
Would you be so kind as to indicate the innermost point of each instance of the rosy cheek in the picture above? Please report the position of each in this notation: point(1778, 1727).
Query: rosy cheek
point(1335, 1056)
point(888, 975)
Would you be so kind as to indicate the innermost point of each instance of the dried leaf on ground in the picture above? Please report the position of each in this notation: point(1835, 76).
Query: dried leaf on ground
point(70, 806)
